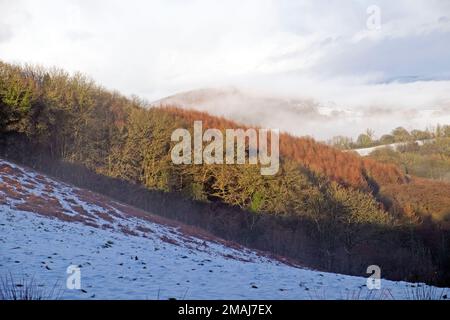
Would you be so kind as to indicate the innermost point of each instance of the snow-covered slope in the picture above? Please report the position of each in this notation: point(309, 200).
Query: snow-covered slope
point(124, 253)
point(366, 151)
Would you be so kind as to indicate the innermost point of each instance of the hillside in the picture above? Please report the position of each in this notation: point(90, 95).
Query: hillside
point(430, 159)
point(328, 209)
point(423, 156)
point(124, 253)
point(343, 167)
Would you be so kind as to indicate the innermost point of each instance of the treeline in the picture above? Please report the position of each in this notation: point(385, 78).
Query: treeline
point(428, 160)
point(345, 168)
point(398, 135)
point(73, 119)
point(419, 153)
point(333, 206)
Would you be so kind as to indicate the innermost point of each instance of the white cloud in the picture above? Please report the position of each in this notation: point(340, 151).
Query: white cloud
point(317, 49)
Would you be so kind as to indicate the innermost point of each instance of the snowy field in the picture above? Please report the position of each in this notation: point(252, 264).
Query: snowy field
point(123, 253)
point(367, 151)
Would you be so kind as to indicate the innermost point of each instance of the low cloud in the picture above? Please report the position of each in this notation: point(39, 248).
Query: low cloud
point(321, 118)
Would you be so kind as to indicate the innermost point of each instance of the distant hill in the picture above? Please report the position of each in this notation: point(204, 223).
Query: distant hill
point(299, 114)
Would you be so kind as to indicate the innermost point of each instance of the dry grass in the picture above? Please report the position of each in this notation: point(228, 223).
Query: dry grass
point(9, 192)
point(426, 293)
point(7, 169)
point(46, 206)
point(12, 288)
point(417, 292)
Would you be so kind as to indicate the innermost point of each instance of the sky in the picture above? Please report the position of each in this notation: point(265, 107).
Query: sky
point(352, 54)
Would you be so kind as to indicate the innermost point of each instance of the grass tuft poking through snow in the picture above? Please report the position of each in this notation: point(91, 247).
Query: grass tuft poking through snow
point(24, 288)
